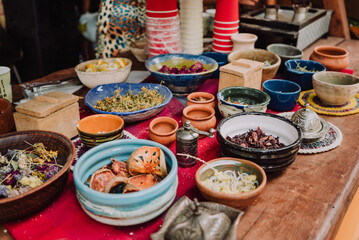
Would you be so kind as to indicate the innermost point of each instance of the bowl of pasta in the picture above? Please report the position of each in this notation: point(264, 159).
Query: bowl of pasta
point(231, 181)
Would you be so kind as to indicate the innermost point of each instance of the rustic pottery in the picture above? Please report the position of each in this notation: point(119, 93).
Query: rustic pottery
point(335, 88)
point(201, 98)
point(6, 116)
point(243, 41)
point(163, 130)
point(333, 58)
point(201, 117)
point(237, 200)
point(100, 128)
point(14, 208)
point(285, 52)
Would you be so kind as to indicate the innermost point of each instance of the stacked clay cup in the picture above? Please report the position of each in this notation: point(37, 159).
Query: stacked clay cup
point(163, 27)
point(226, 23)
point(191, 26)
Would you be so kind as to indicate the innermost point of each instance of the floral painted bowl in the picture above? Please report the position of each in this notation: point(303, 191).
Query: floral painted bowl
point(100, 128)
point(181, 84)
point(271, 160)
point(249, 100)
point(100, 92)
point(130, 208)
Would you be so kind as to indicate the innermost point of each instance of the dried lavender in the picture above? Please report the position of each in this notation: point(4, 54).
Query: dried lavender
point(256, 139)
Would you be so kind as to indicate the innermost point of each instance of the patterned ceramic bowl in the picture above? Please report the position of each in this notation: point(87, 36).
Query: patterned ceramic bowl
point(100, 92)
point(181, 84)
point(271, 160)
point(232, 100)
point(100, 128)
point(130, 208)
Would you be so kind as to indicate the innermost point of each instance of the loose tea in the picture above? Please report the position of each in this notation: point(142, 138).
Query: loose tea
point(256, 139)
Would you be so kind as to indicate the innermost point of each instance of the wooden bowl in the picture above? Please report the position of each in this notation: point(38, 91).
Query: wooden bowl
point(236, 200)
point(30, 202)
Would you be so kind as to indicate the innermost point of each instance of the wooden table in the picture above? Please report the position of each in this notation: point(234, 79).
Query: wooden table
point(310, 198)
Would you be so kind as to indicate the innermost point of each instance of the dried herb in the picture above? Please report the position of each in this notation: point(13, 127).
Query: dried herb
point(236, 102)
point(195, 68)
point(256, 139)
point(199, 99)
point(304, 69)
point(130, 102)
point(23, 170)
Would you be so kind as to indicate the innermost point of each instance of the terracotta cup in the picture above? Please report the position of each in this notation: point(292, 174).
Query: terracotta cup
point(6, 116)
point(163, 130)
point(333, 58)
point(201, 117)
point(201, 99)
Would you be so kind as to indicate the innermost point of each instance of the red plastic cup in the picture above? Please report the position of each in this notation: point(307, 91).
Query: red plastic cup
point(162, 14)
point(227, 52)
point(227, 11)
point(225, 31)
point(168, 20)
point(222, 44)
point(160, 5)
point(226, 24)
point(222, 49)
point(222, 40)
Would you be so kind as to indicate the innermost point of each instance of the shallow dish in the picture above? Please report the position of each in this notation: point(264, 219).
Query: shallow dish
point(93, 79)
point(259, 55)
point(238, 200)
point(130, 208)
point(303, 78)
point(181, 84)
point(335, 88)
point(250, 100)
point(100, 128)
point(271, 160)
point(99, 93)
point(30, 202)
point(283, 94)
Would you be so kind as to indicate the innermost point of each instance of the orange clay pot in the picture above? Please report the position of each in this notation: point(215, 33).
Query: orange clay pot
point(163, 130)
point(201, 117)
point(333, 58)
point(203, 99)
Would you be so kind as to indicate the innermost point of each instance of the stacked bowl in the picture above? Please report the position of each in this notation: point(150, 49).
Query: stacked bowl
point(191, 26)
point(226, 22)
point(163, 27)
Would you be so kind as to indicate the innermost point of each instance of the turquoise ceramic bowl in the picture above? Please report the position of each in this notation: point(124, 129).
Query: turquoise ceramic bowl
point(180, 84)
point(123, 209)
point(250, 100)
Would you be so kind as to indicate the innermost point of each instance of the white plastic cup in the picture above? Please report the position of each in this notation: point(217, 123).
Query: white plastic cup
point(5, 83)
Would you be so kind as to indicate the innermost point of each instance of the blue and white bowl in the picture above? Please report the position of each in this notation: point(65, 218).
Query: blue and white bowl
point(250, 100)
point(130, 208)
point(181, 84)
point(100, 92)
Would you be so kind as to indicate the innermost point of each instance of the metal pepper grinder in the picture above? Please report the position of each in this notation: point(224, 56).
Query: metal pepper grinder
point(187, 143)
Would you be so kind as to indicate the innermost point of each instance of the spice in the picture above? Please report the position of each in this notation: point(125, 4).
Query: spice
point(236, 102)
point(23, 170)
point(130, 102)
point(304, 69)
point(256, 139)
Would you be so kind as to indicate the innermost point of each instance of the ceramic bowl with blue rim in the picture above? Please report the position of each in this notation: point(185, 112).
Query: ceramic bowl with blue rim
point(232, 100)
point(302, 71)
point(130, 208)
point(100, 92)
point(271, 160)
point(183, 83)
point(221, 58)
point(284, 94)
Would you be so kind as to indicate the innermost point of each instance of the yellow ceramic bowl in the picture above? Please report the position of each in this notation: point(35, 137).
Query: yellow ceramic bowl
point(100, 128)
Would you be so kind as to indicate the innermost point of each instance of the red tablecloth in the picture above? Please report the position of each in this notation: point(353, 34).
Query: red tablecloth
point(64, 218)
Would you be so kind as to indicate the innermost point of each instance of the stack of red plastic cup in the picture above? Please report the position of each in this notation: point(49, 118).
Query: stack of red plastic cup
point(226, 23)
point(163, 27)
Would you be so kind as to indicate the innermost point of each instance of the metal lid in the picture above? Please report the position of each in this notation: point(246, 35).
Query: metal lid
point(313, 126)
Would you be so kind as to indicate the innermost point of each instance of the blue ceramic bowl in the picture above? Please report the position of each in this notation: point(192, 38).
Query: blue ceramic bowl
point(221, 58)
point(181, 84)
point(283, 93)
point(303, 78)
point(130, 208)
point(108, 90)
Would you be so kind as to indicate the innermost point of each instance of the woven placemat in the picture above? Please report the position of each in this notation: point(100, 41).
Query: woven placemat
point(310, 97)
point(332, 139)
